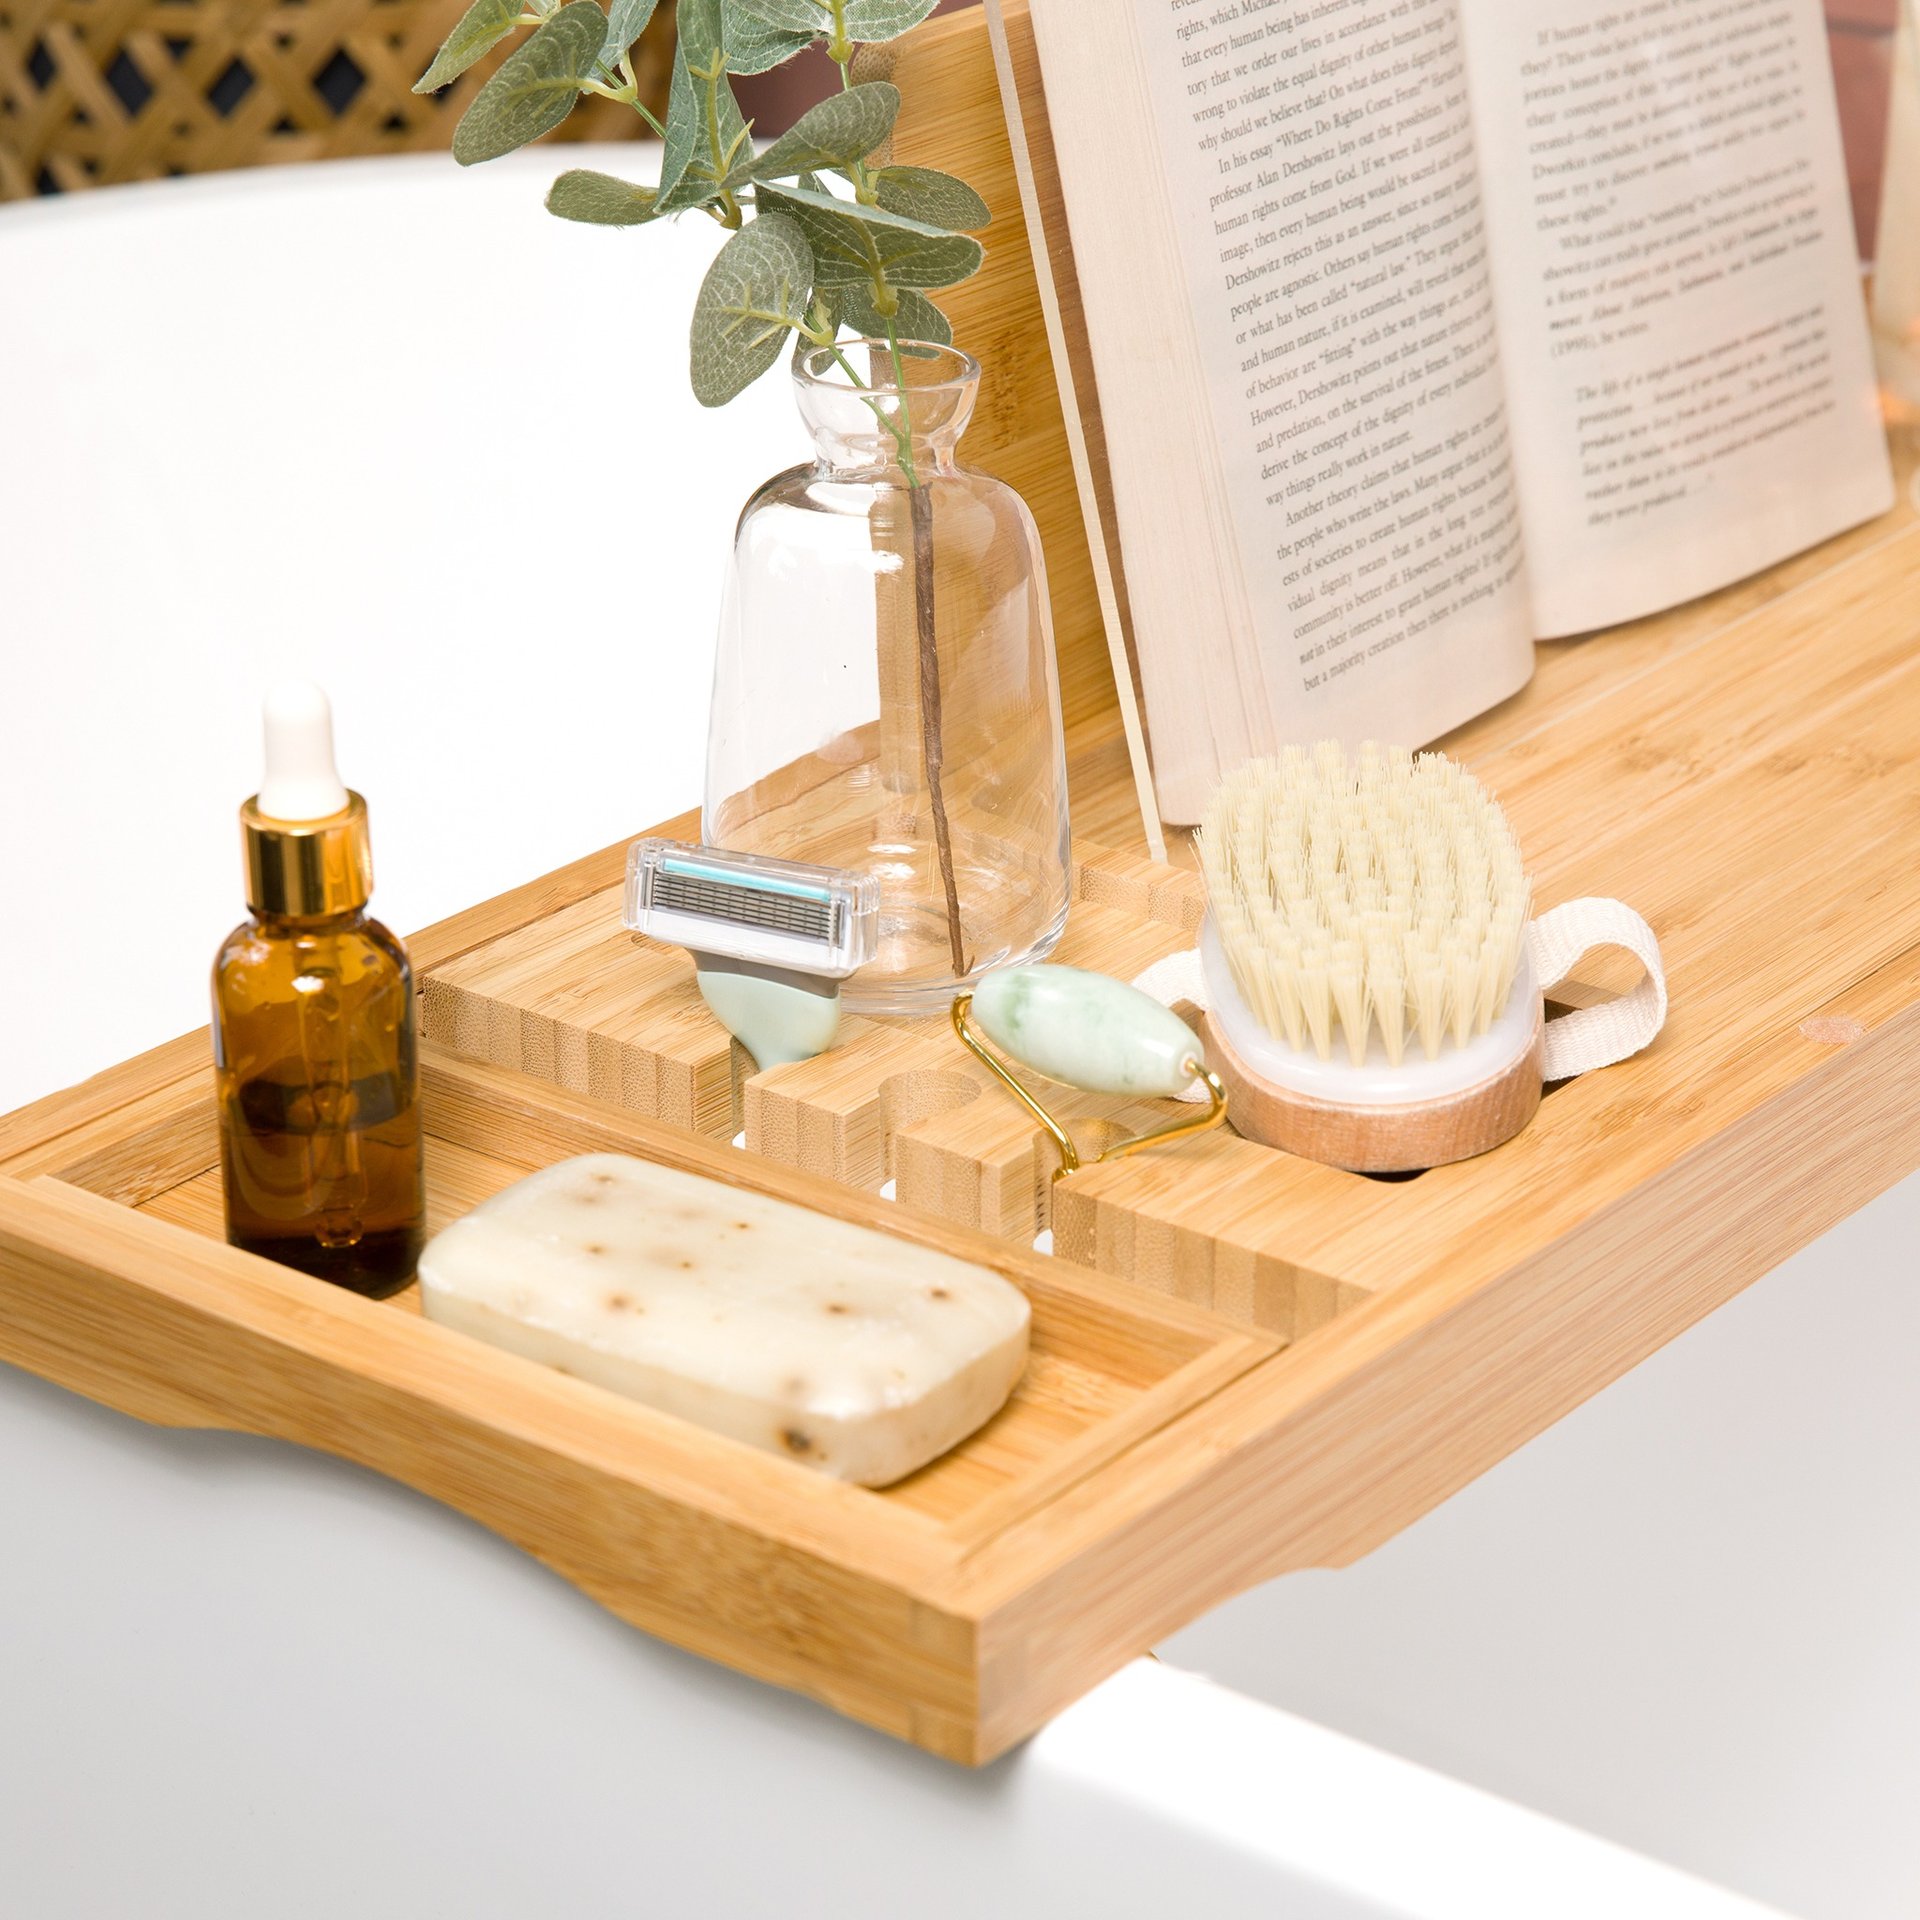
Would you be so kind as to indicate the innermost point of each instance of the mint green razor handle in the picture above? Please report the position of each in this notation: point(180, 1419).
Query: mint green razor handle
point(778, 1019)
point(1093, 1032)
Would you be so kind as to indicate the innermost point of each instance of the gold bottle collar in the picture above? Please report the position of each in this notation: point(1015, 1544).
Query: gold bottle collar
point(300, 869)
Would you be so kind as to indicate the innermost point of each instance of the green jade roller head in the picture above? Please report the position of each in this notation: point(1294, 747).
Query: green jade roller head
point(1093, 1032)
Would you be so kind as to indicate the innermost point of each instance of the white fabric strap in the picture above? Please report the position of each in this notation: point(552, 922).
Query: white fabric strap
point(1176, 978)
point(1557, 942)
point(1592, 1037)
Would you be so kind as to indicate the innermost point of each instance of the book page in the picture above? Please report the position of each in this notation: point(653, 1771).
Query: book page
point(1321, 165)
point(1687, 364)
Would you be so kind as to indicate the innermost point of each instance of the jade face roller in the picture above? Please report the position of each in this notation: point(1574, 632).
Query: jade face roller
point(1090, 1031)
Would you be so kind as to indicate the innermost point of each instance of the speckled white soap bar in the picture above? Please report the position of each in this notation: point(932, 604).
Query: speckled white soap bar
point(825, 1342)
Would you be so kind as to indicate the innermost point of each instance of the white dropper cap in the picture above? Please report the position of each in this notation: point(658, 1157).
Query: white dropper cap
point(301, 780)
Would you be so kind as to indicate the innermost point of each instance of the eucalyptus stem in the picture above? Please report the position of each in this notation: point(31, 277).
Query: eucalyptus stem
point(920, 516)
point(712, 78)
point(625, 95)
point(839, 47)
point(920, 512)
point(900, 387)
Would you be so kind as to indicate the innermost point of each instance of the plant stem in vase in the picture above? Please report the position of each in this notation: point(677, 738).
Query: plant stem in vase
point(815, 707)
point(920, 507)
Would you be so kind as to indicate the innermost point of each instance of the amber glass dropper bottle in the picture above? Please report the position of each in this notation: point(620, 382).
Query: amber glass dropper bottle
point(313, 1029)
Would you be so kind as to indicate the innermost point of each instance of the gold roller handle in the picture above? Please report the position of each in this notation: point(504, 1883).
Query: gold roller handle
point(1189, 1063)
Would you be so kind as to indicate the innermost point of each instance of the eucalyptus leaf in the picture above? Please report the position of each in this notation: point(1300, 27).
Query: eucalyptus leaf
point(687, 174)
point(754, 295)
point(916, 318)
point(908, 260)
point(853, 245)
point(754, 45)
point(478, 31)
point(810, 17)
point(685, 123)
point(840, 246)
point(600, 199)
point(626, 22)
point(872, 20)
point(840, 130)
point(807, 192)
point(866, 21)
point(701, 27)
point(535, 87)
point(924, 193)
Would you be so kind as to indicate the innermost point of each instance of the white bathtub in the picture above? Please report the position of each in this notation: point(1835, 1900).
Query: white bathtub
point(1687, 1617)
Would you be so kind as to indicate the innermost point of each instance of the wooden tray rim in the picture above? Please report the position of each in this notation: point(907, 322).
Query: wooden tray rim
point(782, 1500)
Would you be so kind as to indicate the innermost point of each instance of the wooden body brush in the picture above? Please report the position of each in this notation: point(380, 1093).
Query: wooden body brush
point(1369, 1000)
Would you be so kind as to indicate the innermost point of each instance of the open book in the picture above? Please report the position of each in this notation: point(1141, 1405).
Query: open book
point(1424, 329)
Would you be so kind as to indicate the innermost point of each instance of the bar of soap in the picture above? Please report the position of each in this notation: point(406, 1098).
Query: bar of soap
point(822, 1341)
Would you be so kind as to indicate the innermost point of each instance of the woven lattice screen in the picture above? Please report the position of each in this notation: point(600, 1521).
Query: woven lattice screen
point(93, 91)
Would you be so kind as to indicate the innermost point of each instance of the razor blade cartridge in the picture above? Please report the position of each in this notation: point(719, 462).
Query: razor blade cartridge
point(747, 907)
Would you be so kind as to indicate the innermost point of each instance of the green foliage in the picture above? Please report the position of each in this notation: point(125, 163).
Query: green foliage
point(854, 243)
point(601, 200)
point(626, 22)
point(856, 215)
point(884, 20)
point(926, 194)
point(864, 20)
point(800, 258)
point(810, 17)
point(869, 21)
point(479, 30)
point(536, 86)
point(839, 132)
point(702, 28)
point(754, 295)
point(754, 45)
point(915, 318)
point(705, 131)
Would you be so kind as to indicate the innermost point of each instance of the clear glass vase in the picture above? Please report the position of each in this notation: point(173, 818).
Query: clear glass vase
point(884, 694)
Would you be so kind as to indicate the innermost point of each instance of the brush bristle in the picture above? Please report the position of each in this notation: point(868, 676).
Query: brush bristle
point(1383, 892)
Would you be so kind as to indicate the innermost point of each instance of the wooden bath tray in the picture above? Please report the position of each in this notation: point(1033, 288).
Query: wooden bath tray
point(1164, 1453)
point(114, 1281)
point(1244, 1364)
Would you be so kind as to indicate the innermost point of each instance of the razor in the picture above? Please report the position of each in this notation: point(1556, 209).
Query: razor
point(771, 939)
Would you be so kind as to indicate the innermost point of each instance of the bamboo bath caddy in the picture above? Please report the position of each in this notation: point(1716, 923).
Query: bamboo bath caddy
point(1244, 1363)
